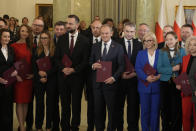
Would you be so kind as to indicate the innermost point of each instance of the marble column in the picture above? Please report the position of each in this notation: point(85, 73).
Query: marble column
point(146, 13)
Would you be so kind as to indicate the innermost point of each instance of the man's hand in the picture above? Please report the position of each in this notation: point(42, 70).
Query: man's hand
point(178, 87)
point(29, 76)
point(43, 80)
point(68, 71)
point(15, 73)
point(96, 66)
point(3, 81)
point(128, 75)
point(42, 74)
point(109, 80)
point(19, 79)
point(176, 68)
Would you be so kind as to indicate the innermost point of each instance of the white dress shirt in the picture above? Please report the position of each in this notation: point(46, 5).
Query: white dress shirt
point(107, 46)
point(151, 59)
point(75, 38)
point(5, 52)
point(127, 44)
point(98, 38)
point(182, 44)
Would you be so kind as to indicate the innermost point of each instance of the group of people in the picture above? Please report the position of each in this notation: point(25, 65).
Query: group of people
point(155, 94)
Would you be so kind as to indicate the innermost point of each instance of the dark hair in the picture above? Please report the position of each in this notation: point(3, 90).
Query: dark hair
point(106, 20)
point(188, 26)
point(3, 30)
point(4, 21)
point(130, 24)
point(75, 17)
point(125, 21)
point(25, 18)
point(60, 23)
point(29, 39)
point(6, 16)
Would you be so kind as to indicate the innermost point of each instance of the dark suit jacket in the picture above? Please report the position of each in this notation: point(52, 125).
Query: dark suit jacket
point(161, 45)
point(79, 56)
point(115, 55)
point(5, 65)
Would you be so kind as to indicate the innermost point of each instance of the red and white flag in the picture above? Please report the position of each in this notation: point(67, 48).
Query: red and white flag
point(162, 21)
point(194, 23)
point(180, 20)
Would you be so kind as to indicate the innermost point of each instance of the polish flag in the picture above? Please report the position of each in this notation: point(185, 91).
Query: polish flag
point(162, 21)
point(194, 24)
point(180, 20)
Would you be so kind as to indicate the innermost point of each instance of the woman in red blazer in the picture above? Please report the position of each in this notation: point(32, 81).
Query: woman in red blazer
point(189, 66)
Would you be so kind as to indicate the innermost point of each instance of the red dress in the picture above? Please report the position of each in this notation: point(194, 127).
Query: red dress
point(22, 90)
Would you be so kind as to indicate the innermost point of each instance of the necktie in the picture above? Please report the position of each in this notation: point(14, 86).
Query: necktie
point(104, 50)
point(96, 40)
point(129, 49)
point(72, 44)
point(35, 41)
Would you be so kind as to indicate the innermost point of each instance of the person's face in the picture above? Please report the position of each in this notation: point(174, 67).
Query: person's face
point(72, 25)
point(129, 32)
point(12, 21)
point(166, 30)
point(110, 23)
point(24, 32)
point(59, 30)
point(95, 28)
point(186, 32)
point(37, 26)
point(44, 39)
point(171, 41)
point(143, 29)
point(25, 21)
point(2, 25)
point(106, 34)
point(120, 26)
point(83, 24)
point(5, 38)
point(192, 47)
point(149, 43)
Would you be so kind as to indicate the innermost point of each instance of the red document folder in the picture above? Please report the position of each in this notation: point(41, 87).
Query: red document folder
point(44, 64)
point(7, 76)
point(129, 67)
point(149, 70)
point(105, 72)
point(183, 80)
point(66, 61)
point(22, 68)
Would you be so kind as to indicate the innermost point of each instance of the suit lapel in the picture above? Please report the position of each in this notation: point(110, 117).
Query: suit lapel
point(156, 58)
point(112, 46)
point(124, 47)
point(3, 57)
point(66, 47)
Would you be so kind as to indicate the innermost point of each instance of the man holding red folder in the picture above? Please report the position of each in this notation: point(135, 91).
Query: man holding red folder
point(105, 91)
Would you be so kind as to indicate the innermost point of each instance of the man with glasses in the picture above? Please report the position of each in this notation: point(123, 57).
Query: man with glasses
point(142, 30)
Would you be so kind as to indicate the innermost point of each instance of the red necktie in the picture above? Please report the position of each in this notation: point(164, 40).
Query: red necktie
point(72, 44)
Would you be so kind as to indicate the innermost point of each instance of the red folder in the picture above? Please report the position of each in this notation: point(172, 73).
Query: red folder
point(183, 80)
point(22, 68)
point(7, 76)
point(105, 72)
point(149, 70)
point(129, 67)
point(66, 61)
point(44, 64)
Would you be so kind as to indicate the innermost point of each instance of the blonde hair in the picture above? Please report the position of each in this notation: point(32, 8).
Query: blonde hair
point(188, 41)
point(51, 45)
point(151, 35)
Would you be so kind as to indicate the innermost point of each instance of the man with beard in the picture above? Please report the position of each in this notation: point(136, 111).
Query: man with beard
point(59, 30)
point(185, 32)
point(75, 46)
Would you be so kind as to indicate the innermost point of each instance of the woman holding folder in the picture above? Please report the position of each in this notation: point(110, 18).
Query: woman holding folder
point(189, 67)
point(45, 80)
point(148, 83)
point(6, 92)
point(23, 88)
point(170, 58)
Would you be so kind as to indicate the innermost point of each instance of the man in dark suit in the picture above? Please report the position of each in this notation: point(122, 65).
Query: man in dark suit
point(93, 39)
point(59, 30)
point(75, 46)
point(166, 29)
point(128, 82)
point(104, 92)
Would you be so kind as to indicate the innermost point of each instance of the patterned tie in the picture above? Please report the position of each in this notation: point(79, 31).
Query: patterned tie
point(72, 44)
point(104, 50)
point(129, 49)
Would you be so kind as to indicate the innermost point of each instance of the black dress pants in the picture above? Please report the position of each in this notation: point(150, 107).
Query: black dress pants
point(71, 89)
point(171, 106)
point(6, 108)
point(127, 92)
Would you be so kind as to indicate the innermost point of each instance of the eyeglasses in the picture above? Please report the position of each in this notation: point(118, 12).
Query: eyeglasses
point(38, 25)
point(147, 41)
point(43, 38)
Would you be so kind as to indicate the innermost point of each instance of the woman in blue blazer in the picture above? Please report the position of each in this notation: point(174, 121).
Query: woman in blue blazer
point(148, 85)
point(170, 59)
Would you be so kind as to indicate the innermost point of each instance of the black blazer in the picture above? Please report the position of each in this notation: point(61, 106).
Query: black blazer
point(137, 46)
point(161, 45)
point(79, 56)
point(115, 55)
point(5, 65)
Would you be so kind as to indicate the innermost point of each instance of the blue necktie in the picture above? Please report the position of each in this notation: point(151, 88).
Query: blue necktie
point(129, 49)
point(104, 50)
